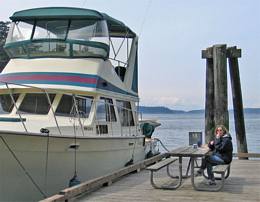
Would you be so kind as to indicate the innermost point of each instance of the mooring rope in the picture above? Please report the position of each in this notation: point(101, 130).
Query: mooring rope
point(46, 163)
point(162, 144)
point(75, 150)
point(23, 168)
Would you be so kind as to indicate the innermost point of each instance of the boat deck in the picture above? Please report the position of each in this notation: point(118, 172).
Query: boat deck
point(242, 185)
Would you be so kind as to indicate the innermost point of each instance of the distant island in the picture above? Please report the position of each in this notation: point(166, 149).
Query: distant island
point(166, 110)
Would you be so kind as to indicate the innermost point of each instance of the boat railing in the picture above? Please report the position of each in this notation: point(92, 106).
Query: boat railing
point(77, 113)
point(120, 50)
point(14, 103)
point(119, 62)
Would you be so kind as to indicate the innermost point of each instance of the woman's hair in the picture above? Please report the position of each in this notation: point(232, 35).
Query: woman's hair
point(225, 130)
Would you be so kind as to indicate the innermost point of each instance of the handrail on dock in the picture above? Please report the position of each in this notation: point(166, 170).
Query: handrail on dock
point(247, 155)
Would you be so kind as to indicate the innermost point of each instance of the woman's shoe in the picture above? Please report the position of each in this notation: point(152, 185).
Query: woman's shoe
point(199, 172)
point(212, 182)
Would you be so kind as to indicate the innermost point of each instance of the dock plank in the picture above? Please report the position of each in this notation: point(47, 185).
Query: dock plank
point(242, 185)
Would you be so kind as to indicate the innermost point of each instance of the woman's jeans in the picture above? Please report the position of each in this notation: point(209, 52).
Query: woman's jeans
point(210, 161)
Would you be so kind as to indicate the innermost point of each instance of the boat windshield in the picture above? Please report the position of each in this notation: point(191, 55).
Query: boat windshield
point(58, 38)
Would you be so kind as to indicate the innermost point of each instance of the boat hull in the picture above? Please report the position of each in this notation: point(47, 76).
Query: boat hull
point(50, 162)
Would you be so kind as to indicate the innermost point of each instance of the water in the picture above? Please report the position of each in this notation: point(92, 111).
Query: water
point(175, 129)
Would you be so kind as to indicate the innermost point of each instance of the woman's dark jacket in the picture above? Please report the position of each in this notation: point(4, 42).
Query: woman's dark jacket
point(223, 147)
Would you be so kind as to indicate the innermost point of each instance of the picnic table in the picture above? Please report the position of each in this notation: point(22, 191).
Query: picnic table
point(193, 153)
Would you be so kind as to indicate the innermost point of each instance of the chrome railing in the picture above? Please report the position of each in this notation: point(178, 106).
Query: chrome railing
point(135, 114)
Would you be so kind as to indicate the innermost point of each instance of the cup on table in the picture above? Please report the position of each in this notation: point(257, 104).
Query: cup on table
point(194, 146)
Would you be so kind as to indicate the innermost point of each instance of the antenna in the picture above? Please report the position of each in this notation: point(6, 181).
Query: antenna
point(84, 3)
point(148, 6)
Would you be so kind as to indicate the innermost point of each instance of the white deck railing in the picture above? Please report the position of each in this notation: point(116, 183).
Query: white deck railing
point(135, 114)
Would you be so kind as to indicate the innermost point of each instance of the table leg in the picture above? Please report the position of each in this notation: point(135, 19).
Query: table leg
point(183, 176)
point(192, 173)
point(188, 169)
point(180, 169)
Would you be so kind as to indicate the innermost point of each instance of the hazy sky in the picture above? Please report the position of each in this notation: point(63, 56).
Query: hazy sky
point(172, 35)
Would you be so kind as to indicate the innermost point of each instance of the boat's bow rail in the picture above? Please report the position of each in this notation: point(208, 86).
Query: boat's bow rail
point(30, 109)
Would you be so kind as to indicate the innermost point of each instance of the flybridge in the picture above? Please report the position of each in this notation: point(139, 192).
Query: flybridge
point(68, 32)
point(65, 33)
point(116, 28)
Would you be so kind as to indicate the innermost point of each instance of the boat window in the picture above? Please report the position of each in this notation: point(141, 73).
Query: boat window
point(58, 38)
point(6, 104)
point(20, 31)
point(89, 30)
point(52, 29)
point(45, 49)
point(125, 113)
point(66, 106)
point(19, 51)
point(87, 51)
point(106, 110)
point(34, 103)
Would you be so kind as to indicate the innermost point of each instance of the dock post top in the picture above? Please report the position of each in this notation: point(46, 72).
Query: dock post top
point(232, 52)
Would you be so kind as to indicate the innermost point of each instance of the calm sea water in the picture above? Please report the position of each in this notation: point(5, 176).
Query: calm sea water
point(175, 129)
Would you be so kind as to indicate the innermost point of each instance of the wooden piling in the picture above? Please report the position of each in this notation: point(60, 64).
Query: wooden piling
point(233, 54)
point(220, 85)
point(216, 104)
point(209, 101)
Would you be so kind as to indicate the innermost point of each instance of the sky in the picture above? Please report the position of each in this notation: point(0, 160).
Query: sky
point(172, 34)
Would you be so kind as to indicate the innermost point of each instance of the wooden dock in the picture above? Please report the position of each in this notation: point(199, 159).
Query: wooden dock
point(242, 185)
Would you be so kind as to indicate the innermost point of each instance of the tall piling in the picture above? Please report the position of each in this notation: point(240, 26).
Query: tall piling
point(209, 101)
point(233, 54)
point(220, 85)
point(216, 103)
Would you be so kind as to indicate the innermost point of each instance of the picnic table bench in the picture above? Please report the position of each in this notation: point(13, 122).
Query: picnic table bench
point(156, 167)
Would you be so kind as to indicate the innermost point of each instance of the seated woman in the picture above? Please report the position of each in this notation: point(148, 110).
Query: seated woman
point(222, 152)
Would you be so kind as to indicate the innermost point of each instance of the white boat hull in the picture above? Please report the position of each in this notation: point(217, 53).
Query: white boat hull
point(52, 170)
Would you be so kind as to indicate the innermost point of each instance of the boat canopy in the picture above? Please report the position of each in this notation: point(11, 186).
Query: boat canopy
point(116, 28)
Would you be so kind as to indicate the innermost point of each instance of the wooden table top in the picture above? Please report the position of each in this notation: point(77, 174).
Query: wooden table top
point(189, 151)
